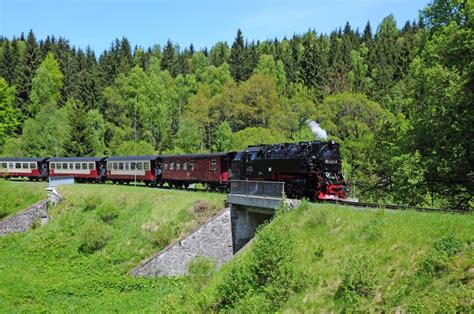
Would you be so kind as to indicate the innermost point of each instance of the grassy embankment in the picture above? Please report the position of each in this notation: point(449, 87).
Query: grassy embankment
point(317, 258)
point(80, 260)
point(16, 196)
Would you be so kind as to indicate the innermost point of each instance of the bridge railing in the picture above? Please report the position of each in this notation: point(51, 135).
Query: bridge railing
point(257, 188)
point(56, 181)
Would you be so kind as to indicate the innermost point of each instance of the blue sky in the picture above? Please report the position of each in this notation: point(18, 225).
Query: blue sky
point(96, 23)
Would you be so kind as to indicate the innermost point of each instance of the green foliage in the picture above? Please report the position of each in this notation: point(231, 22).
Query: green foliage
point(189, 136)
point(253, 136)
point(8, 121)
point(223, 138)
point(93, 236)
point(200, 271)
point(129, 148)
point(46, 85)
point(436, 261)
point(358, 279)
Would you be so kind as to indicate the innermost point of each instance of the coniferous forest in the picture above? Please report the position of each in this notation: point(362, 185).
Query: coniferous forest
point(398, 97)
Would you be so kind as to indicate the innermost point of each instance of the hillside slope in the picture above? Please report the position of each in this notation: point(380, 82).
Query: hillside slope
point(18, 195)
point(81, 259)
point(324, 258)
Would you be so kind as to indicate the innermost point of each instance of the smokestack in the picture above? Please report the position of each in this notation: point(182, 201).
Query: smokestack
point(319, 132)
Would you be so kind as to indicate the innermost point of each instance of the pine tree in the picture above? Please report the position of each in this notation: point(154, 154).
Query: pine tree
point(237, 58)
point(169, 57)
point(25, 72)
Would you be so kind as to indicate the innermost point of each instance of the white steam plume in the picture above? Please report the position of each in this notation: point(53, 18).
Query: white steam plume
point(317, 130)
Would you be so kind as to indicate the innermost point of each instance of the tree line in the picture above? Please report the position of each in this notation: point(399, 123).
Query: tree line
point(399, 100)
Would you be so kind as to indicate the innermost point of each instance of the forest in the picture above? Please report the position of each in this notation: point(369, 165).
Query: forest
point(398, 100)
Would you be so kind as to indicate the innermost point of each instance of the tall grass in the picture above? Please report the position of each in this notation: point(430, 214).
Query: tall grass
point(18, 195)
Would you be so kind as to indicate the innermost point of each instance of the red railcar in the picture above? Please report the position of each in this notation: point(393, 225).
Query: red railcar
point(81, 168)
point(209, 169)
point(125, 169)
point(31, 168)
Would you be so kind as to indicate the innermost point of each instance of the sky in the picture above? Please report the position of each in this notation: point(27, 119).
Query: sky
point(96, 23)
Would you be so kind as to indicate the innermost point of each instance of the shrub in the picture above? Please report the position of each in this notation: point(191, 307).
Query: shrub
point(91, 202)
point(107, 212)
point(358, 279)
point(163, 235)
point(374, 229)
point(200, 271)
point(435, 263)
point(93, 237)
point(448, 244)
point(268, 270)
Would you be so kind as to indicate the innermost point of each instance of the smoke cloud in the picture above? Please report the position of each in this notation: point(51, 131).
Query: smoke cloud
point(317, 130)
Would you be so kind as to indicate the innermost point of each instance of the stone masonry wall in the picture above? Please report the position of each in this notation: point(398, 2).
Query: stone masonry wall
point(213, 240)
point(22, 221)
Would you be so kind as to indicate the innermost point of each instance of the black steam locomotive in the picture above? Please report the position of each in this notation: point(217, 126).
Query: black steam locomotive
point(309, 169)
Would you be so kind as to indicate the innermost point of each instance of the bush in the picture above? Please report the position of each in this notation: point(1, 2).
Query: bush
point(358, 279)
point(163, 235)
point(107, 212)
point(93, 237)
point(200, 271)
point(435, 263)
point(374, 229)
point(268, 270)
point(91, 202)
point(448, 244)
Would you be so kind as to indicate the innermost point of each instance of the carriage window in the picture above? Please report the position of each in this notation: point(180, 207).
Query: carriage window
point(166, 165)
point(213, 164)
point(71, 166)
point(146, 165)
point(185, 166)
point(172, 166)
point(25, 165)
point(17, 165)
point(32, 165)
point(4, 165)
point(121, 165)
point(191, 164)
point(238, 156)
point(64, 166)
point(178, 165)
point(126, 166)
point(91, 166)
point(53, 165)
point(132, 166)
point(109, 166)
point(139, 166)
point(58, 165)
point(115, 165)
point(10, 165)
point(84, 166)
point(77, 166)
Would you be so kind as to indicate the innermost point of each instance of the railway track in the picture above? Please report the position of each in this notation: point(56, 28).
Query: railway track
point(395, 207)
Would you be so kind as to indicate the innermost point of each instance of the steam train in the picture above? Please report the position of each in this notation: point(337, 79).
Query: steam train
point(309, 169)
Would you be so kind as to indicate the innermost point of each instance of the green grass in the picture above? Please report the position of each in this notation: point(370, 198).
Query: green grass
point(317, 258)
point(324, 258)
point(18, 195)
point(81, 259)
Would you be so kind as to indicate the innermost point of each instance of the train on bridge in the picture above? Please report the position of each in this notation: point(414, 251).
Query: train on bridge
point(309, 169)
